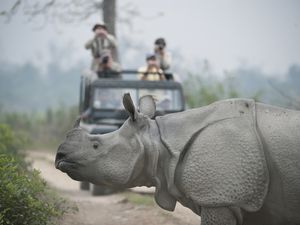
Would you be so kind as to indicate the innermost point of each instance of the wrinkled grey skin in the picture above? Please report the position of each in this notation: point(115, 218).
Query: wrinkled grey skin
point(232, 162)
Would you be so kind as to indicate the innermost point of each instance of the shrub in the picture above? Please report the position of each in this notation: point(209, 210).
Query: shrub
point(44, 129)
point(201, 91)
point(8, 144)
point(24, 196)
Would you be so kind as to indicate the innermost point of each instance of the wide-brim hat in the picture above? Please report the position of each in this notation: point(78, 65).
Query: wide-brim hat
point(99, 25)
point(160, 41)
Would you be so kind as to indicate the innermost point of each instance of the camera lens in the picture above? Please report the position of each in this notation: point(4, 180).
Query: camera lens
point(105, 60)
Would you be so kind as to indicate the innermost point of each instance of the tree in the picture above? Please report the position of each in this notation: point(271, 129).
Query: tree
point(67, 11)
point(109, 15)
point(201, 91)
point(290, 100)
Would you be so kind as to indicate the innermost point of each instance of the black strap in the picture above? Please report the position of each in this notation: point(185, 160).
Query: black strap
point(97, 52)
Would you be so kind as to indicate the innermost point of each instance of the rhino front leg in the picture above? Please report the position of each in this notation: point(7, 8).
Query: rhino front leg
point(220, 216)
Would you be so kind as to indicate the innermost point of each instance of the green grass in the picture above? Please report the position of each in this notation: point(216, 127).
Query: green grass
point(139, 199)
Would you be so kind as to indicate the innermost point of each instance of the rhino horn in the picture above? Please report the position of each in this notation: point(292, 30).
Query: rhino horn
point(77, 122)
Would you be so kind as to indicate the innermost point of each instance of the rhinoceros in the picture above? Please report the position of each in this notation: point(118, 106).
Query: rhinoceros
point(232, 162)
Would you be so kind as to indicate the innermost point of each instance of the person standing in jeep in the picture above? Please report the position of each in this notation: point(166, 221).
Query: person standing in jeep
point(162, 56)
point(102, 41)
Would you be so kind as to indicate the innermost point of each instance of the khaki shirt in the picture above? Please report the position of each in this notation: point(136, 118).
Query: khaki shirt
point(154, 73)
point(97, 45)
point(164, 61)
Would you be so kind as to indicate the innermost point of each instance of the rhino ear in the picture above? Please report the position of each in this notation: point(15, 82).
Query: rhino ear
point(129, 106)
point(147, 105)
point(77, 122)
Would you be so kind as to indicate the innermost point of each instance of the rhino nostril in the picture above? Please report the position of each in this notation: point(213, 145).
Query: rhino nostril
point(60, 155)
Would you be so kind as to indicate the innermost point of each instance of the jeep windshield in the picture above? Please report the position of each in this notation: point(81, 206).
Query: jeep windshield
point(109, 98)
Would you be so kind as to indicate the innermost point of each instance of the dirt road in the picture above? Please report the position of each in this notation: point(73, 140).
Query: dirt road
point(121, 208)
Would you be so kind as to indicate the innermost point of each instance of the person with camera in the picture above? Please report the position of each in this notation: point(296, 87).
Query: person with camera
point(108, 68)
point(151, 71)
point(102, 40)
point(162, 56)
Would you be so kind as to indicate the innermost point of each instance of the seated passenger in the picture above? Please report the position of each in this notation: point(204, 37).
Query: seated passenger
point(151, 71)
point(107, 67)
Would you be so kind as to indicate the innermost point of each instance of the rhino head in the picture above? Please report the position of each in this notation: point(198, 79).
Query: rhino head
point(117, 158)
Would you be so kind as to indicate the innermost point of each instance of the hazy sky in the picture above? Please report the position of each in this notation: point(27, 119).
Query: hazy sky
point(228, 33)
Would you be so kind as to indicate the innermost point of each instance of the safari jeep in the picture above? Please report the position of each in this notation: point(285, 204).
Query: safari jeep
point(102, 110)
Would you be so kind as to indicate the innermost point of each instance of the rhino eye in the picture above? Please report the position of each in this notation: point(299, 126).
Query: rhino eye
point(95, 145)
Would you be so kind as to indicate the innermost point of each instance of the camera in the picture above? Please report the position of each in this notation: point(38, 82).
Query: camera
point(160, 47)
point(105, 60)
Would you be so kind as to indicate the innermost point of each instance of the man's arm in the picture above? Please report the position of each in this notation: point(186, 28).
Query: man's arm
point(112, 40)
point(142, 73)
point(116, 67)
point(89, 44)
point(161, 74)
point(165, 61)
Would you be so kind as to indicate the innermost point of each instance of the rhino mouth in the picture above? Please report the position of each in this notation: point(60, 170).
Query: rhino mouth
point(70, 168)
point(64, 165)
point(63, 162)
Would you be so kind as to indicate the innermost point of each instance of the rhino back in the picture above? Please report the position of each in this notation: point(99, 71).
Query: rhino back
point(279, 129)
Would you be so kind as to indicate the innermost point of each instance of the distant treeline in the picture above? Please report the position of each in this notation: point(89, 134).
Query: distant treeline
point(25, 89)
point(204, 87)
point(43, 107)
point(45, 129)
